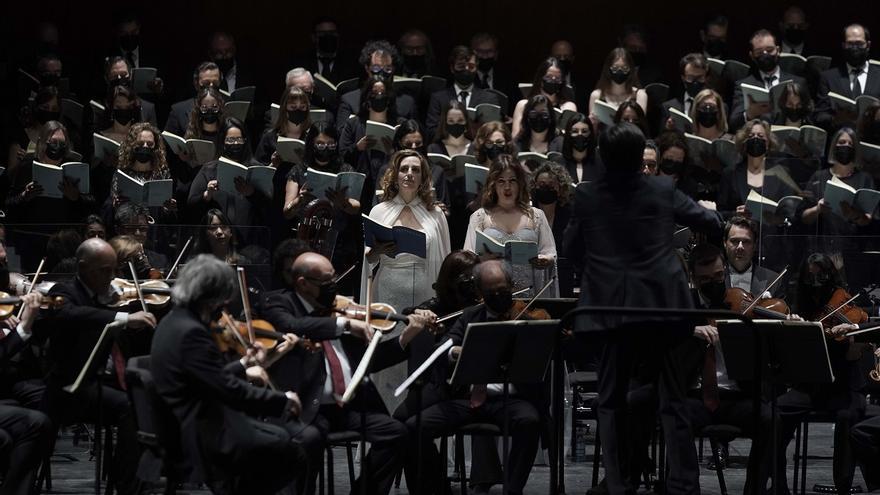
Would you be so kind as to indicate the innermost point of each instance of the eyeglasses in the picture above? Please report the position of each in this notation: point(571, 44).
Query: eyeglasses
point(470, 66)
point(325, 146)
point(209, 109)
point(765, 51)
point(234, 140)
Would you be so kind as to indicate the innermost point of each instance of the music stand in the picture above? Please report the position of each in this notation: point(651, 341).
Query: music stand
point(794, 351)
point(504, 352)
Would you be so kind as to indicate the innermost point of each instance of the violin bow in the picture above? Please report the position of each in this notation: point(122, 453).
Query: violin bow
point(230, 325)
point(346, 272)
point(179, 257)
point(459, 312)
point(853, 298)
point(769, 286)
point(137, 287)
point(536, 296)
point(361, 370)
point(33, 284)
point(245, 303)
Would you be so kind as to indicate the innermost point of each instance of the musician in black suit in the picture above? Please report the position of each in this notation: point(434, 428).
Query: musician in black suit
point(25, 434)
point(489, 76)
point(620, 234)
point(765, 56)
point(304, 306)
point(233, 452)
point(463, 66)
point(223, 52)
point(740, 237)
point(851, 79)
point(378, 58)
point(482, 403)
point(75, 328)
point(206, 74)
point(117, 72)
point(326, 56)
point(694, 69)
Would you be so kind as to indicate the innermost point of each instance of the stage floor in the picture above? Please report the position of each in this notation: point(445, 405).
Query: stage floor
point(77, 476)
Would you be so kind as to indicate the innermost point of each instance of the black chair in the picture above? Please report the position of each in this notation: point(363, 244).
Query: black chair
point(158, 430)
point(718, 434)
point(473, 429)
point(339, 439)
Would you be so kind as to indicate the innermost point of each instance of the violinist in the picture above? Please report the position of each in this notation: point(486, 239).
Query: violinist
point(128, 249)
point(482, 403)
point(818, 280)
point(718, 399)
point(306, 306)
point(134, 220)
point(75, 328)
point(25, 433)
point(231, 451)
point(740, 236)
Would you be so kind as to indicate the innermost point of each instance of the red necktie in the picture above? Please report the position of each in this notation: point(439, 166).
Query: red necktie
point(335, 371)
point(118, 365)
point(478, 396)
point(710, 381)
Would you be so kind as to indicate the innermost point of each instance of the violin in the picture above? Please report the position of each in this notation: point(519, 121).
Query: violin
point(8, 303)
point(520, 308)
point(744, 303)
point(382, 316)
point(156, 293)
point(231, 335)
point(838, 310)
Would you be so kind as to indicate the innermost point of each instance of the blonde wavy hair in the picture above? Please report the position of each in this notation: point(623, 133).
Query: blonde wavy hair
point(126, 149)
point(390, 189)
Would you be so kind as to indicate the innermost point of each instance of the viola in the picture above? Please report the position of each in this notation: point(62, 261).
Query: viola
point(839, 310)
point(744, 303)
point(383, 316)
point(231, 335)
point(8, 303)
point(156, 293)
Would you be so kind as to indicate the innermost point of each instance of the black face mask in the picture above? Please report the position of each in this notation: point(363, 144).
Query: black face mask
point(693, 87)
point(714, 292)
point(844, 154)
point(767, 62)
point(129, 42)
point(540, 122)
point(756, 147)
point(126, 116)
point(415, 63)
point(580, 142)
point(325, 155)
point(715, 48)
point(379, 103)
point(619, 76)
point(551, 87)
point(297, 117)
point(328, 44)
point(794, 114)
point(464, 78)
point(210, 116)
point(234, 151)
point(485, 64)
point(120, 81)
point(56, 150)
point(144, 154)
point(855, 56)
point(545, 195)
point(326, 294)
point(795, 36)
point(671, 167)
point(44, 116)
point(499, 302)
point(492, 151)
point(455, 130)
point(49, 79)
point(707, 117)
point(224, 64)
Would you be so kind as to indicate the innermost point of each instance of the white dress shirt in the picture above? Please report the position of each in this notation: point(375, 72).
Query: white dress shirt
point(327, 396)
point(863, 76)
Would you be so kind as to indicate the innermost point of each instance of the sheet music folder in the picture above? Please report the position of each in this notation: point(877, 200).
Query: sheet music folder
point(523, 348)
point(797, 350)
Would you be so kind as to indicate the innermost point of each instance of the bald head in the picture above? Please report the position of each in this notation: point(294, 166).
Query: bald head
point(492, 276)
point(309, 272)
point(95, 264)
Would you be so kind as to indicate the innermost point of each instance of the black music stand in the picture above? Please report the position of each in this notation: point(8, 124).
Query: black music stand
point(794, 352)
point(504, 352)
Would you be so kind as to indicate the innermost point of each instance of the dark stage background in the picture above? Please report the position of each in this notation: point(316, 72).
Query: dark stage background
point(270, 33)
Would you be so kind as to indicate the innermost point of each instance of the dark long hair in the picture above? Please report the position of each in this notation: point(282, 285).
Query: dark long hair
point(367, 88)
point(567, 148)
point(312, 134)
point(641, 120)
point(456, 263)
point(234, 123)
point(524, 139)
point(441, 132)
point(810, 299)
point(604, 84)
point(538, 80)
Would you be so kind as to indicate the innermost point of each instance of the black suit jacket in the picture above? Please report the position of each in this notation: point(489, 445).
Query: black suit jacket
point(178, 118)
point(761, 278)
point(9, 346)
point(836, 80)
point(350, 104)
point(303, 371)
point(737, 117)
point(208, 396)
point(74, 329)
point(734, 189)
point(441, 98)
point(342, 67)
point(621, 235)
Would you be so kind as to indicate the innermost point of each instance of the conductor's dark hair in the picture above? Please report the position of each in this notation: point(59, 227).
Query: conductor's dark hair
point(703, 255)
point(621, 147)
